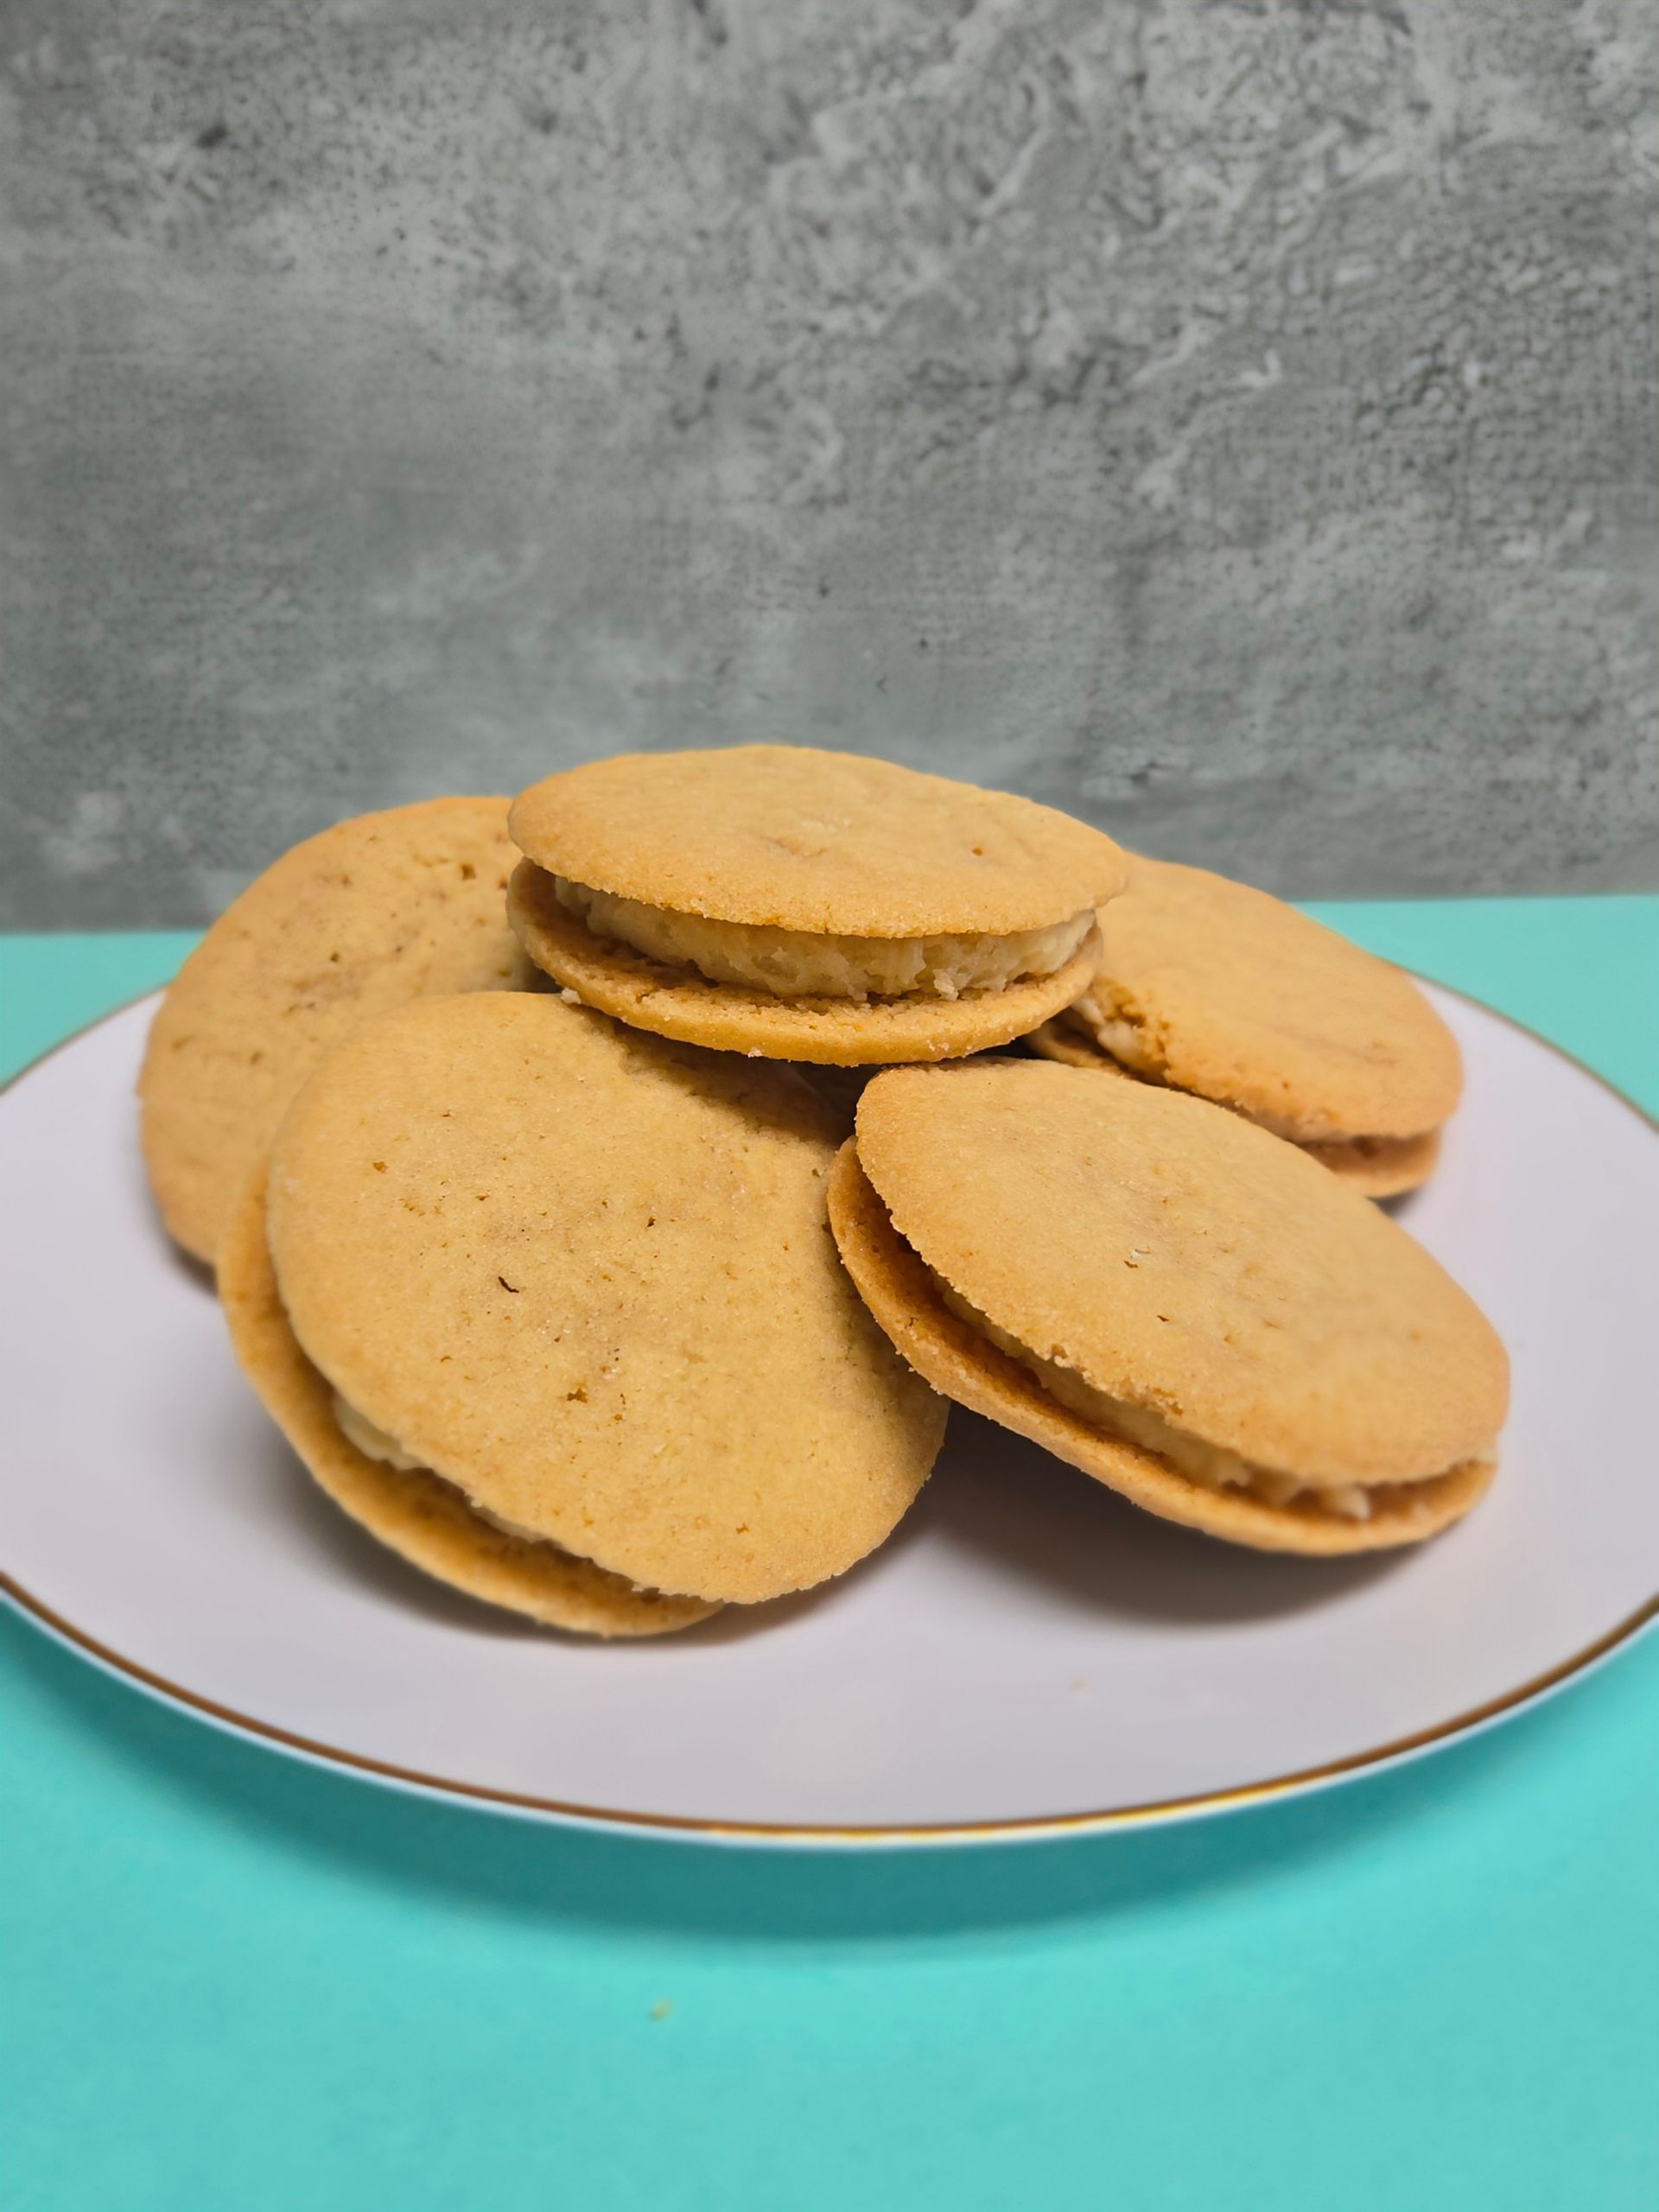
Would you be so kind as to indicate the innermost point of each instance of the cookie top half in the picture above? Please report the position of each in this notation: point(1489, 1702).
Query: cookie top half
point(834, 843)
point(376, 911)
point(1224, 991)
point(585, 1276)
point(1176, 1259)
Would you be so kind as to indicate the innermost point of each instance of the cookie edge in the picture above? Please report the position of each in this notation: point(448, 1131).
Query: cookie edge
point(893, 1281)
point(828, 1033)
point(416, 1516)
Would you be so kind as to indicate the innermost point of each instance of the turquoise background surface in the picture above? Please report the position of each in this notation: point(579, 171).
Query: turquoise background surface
point(233, 1983)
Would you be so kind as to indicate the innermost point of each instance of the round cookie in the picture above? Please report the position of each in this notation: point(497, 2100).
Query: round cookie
point(425, 1521)
point(799, 905)
point(376, 911)
point(1212, 988)
point(1177, 1302)
point(585, 1276)
point(824, 1032)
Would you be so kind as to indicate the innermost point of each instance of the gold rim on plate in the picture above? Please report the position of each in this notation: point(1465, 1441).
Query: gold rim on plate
point(1020, 1827)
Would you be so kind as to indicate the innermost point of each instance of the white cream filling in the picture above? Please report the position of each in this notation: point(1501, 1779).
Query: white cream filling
point(1208, 1463)
point(799, 963)
point(1113, 1035)
point(374, 1443)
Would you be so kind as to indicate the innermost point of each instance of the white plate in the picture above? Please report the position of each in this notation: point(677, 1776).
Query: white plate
point(1027, 1655)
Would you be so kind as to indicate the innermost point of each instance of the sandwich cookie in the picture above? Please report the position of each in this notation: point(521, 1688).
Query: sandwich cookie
point(376, 911)
point(1190, 1310)
point(804, 905)
point(1210, 987)
point(575, 1286)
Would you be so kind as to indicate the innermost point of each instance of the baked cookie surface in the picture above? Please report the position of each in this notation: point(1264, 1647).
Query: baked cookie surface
point(1379, 1167)
point(1191, 1310)
point(1212, 988)
point(426, 1521)
point(796, 904)
point(834, 843)
point(585, 1276)
point(376, 911)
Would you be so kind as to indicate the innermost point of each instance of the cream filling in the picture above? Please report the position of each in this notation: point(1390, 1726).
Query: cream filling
point(1127, 1045)
point(800, 963)
point(374, 1443)
point(1208, 1463)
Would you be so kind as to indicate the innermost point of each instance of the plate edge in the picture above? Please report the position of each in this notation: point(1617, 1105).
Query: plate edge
point(686, 1827)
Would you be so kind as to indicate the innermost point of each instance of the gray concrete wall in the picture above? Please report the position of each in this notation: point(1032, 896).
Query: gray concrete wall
point(1234, 422)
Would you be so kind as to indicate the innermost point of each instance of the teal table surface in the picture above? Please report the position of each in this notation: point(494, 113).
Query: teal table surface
point(231, 1982)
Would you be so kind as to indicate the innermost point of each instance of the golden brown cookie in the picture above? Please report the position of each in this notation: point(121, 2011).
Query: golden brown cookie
point(411, 1511)
point(585, 1276)
point(1378, 1167)
point(379, 909)
point(1210, 987)
point(807, 906)
point(1173, 1299)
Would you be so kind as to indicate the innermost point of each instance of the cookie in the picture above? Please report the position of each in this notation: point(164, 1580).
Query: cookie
point(804, 906)
point(426, 1521)
point(381, 909)
point(1210, 987)
point(583, 1277)
point(1171, 1298)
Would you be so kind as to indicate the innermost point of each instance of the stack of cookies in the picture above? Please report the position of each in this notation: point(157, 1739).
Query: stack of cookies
point(608, 1195)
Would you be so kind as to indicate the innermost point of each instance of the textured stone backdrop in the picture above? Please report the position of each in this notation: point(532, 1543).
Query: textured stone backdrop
point(1234, 422)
